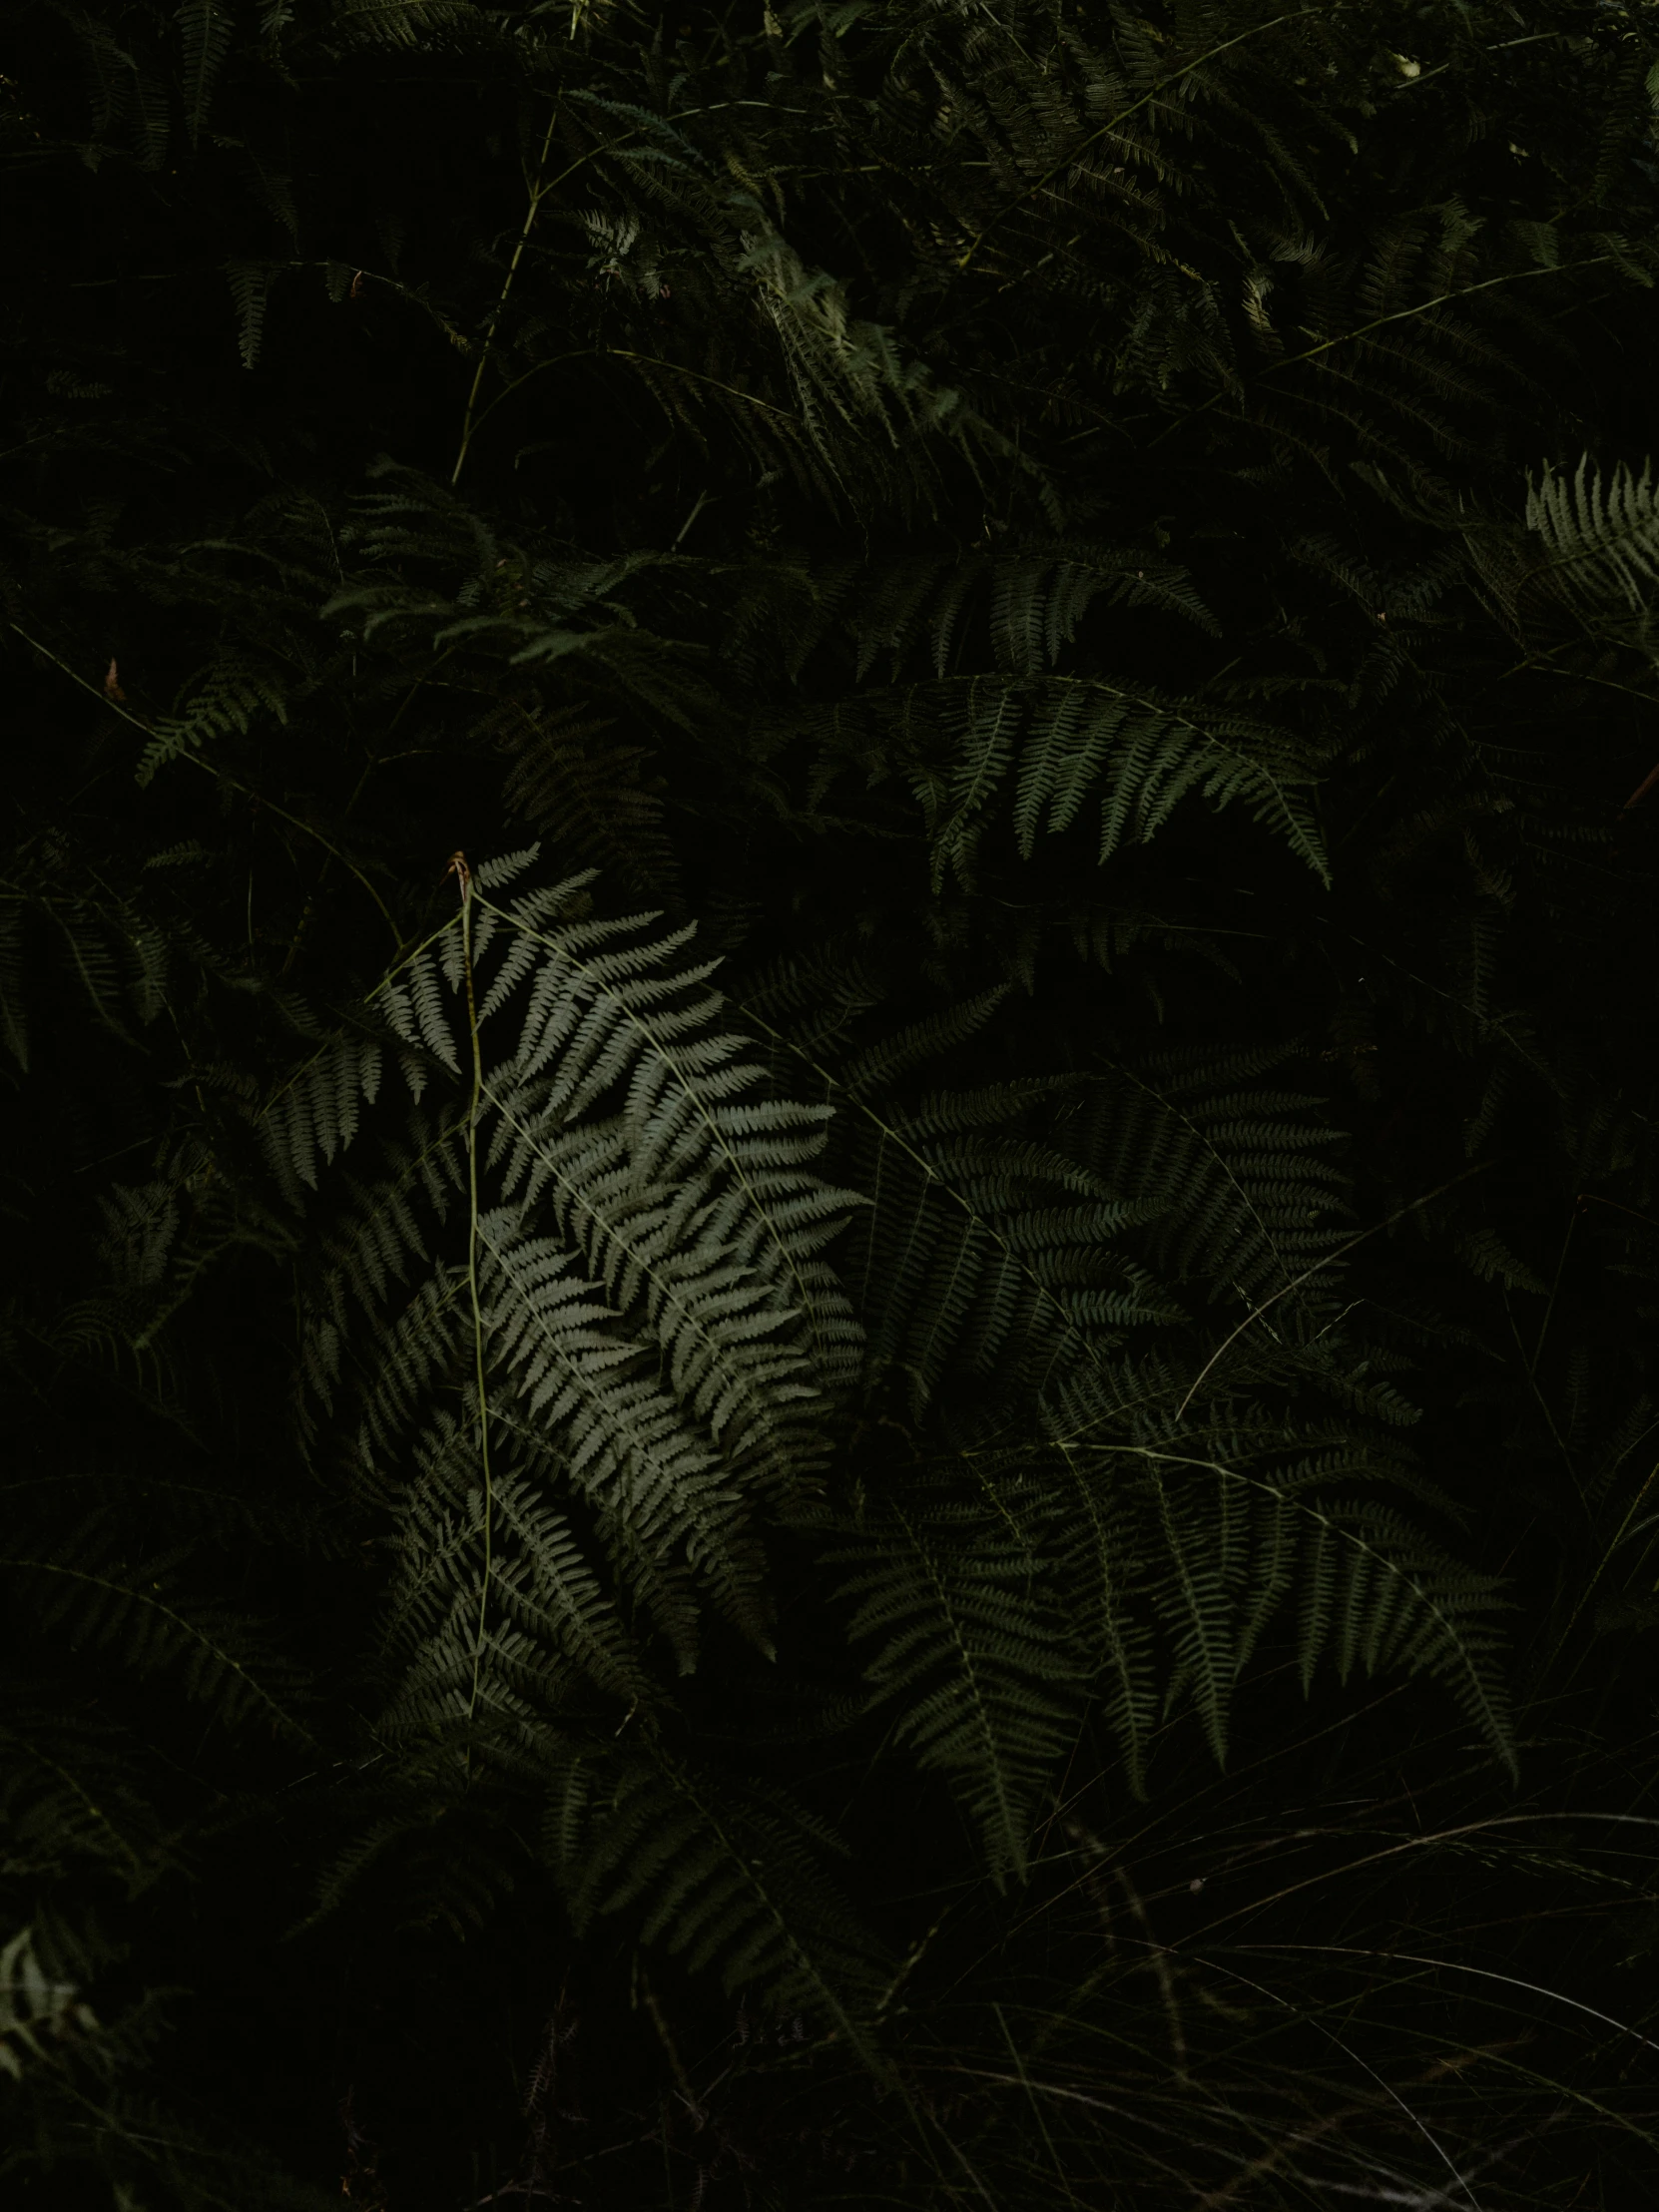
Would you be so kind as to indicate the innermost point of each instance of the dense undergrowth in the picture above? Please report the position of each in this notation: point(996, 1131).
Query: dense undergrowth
point(827, 964)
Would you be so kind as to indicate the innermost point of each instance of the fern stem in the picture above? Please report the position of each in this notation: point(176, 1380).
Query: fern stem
point(1112, 123)
point(537, 190)
point(464, 877)
point(1554, 1289)
point(1363, 330)
point(195, 760)
point(1601, 1567)
point(1330, 1260)
point(618, 354)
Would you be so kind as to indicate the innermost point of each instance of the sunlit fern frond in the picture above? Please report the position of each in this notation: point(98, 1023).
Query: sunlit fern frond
point(633, 1308)
point(1600, 530)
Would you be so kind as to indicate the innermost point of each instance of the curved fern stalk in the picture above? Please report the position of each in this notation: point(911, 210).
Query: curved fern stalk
point(1327, 1260)
point(463, 877)
point(1368, 1588)
point(538, 191)
point(1064, 736)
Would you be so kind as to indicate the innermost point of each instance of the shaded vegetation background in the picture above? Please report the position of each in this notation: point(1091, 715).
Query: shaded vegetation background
point(1073, 1619)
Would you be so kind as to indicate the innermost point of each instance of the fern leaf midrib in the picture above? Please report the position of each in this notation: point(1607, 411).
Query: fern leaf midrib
point(690, 1090)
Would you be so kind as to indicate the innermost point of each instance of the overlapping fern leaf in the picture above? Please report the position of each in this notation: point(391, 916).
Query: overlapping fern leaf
point(579, 1335)
point(1040, 1579)
point(975, 1659)
point(630, 1325)
point(1249, 1194)
point(985, 1249)
point(1026, 747)
point(1601, 531)
point(1116, 1527)
point(725, 1872)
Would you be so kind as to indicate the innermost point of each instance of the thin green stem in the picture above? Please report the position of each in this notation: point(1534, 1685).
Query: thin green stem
point(1363, 330)
point(208, 768)
point(537, 190)
point(1601, 1567)
point(1294, 15)
point(1330, 1259)
point(1554, 1289)
point(463, 874)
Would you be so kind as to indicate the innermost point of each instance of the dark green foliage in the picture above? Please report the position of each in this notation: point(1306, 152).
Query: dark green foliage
point(825, 973)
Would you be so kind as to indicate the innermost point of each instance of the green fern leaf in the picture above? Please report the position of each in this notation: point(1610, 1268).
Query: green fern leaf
point(1601, 533)
point(727, 1875)
point(224, 696)
point(251, 290)
point(205, 31)
point(975, 1652)
point(660, 1334)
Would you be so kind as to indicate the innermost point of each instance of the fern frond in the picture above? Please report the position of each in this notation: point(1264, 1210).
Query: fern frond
point(567, 780)
point(1221, 1550)
point(251, 290)
point(401, 24)
point(1248, 1194)
point(316, 1111)
point(660, 1334)
point(36, 2011)
point(102, 1604)
point(971, 1261)
point(224, 696)
point(975, 1653)
point(725, 1873)
point(913, 1046)
point(205, 31)
point(1601, 532)
point(1104, 1568)
point(1046, 745)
